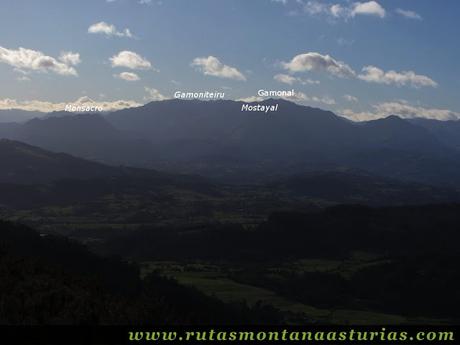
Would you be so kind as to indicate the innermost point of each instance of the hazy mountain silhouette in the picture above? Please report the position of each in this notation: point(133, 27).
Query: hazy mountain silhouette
point(447, 132)
point(18, 115)
point(27, 164)
point(84, 135)
point(23, 163)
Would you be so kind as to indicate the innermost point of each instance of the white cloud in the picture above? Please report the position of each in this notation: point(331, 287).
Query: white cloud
point(284, 2)
point(128, 76)
point(357, 115)
point(251, 99)
point(325, 100)
point(285, 78)
point(409, 14)
point(108, 30)
point(303, 98)
point(350, 98)
point(406, 110)
point(70, 58)
point(370, 8)
point(374, 74)
point(290, 80)
point(25, 60)
point(212, 66)
point(347, 11)
point(154, 95)
point(298, 97)
point(316, 7)
point(402, 109)
point(46, 107)
point(308, 81)
point(313, 61)
point(130, 60)
point(338, 11)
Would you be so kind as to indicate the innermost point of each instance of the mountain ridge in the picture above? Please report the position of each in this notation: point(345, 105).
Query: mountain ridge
point(216, 139)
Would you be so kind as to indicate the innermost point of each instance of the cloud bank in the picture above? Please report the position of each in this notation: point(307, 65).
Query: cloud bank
point(47, 107)
point(402, 109)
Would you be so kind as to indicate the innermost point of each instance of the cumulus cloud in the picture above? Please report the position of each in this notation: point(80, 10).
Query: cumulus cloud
point(109, 30)
point(313, 61)
point(47, 107)
point(27, 60)
point(371, 8)
point(374, 74)
point(402, 109)
point(128, 76)
point(345, 11)
point(290, 80)
point(130, 60)
point(212, 66)
point(408, 14)
point(153, 95)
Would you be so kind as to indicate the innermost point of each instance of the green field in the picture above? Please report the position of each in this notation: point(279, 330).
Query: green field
point(214, 280)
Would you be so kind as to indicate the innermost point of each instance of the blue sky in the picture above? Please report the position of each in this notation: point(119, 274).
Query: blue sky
point(361, 59)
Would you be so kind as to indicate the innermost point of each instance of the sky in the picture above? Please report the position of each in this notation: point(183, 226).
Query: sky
point(360, 59)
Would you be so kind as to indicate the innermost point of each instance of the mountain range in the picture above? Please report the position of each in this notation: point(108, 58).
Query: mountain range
point(216, 139)
point(18, 115)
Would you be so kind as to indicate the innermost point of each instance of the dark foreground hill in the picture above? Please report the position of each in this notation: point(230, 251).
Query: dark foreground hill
point(401, 261)
point(26, 164)
point(53, 281)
